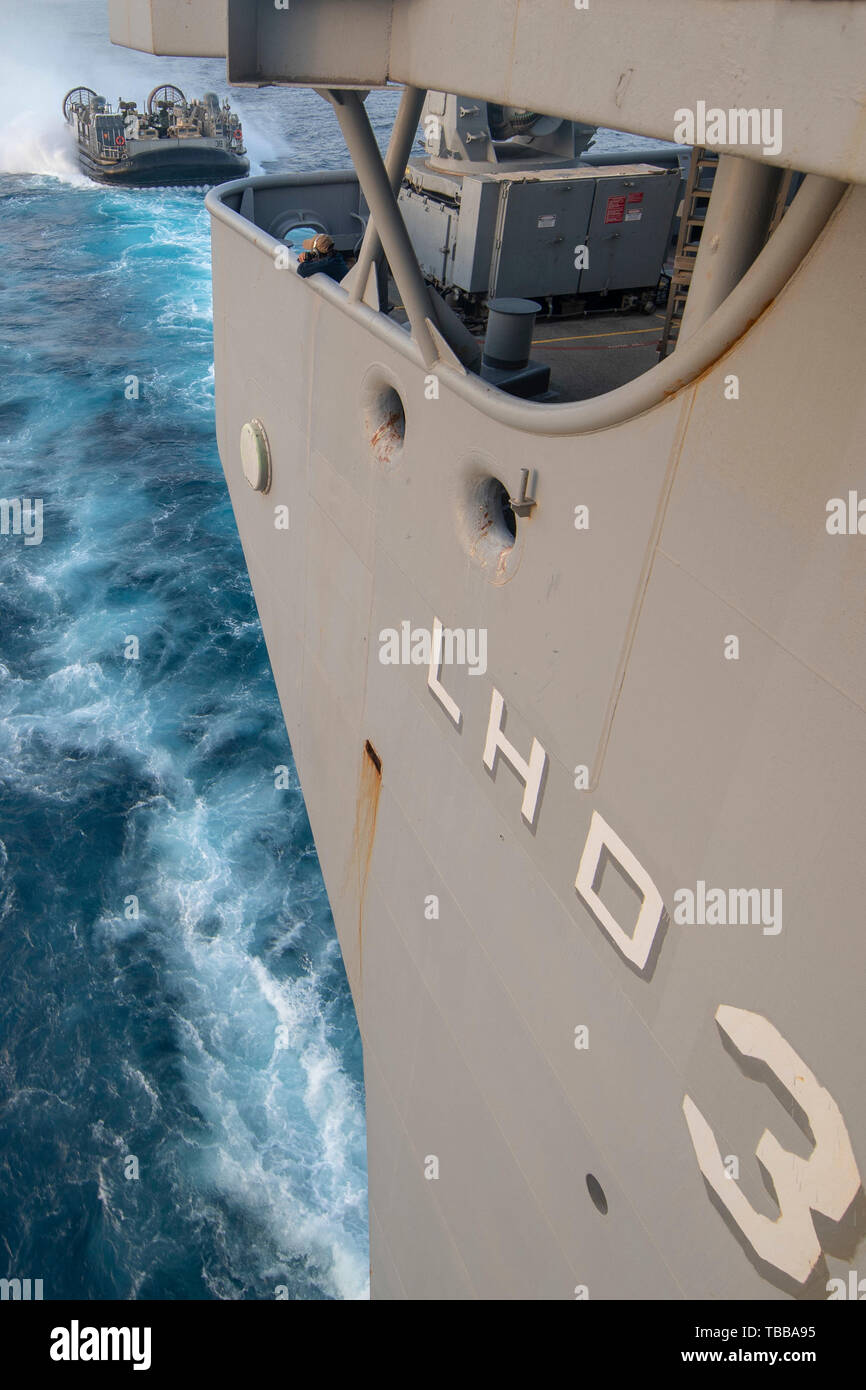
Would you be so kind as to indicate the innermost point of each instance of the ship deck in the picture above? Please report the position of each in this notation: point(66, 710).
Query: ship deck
point(590, 355)
point(593, 353)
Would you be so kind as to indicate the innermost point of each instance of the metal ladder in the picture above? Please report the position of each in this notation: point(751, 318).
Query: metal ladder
point(699, 186)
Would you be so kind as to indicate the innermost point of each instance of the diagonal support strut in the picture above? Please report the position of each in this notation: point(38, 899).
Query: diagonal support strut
point(390, 229)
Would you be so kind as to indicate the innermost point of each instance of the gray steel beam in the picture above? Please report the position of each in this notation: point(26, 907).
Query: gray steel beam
point(738, 216)
point(399, 149)
point(376, 185)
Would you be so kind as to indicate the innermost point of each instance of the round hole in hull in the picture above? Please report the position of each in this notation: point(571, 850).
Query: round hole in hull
point(596, 1192)
point(384, 420)
point(487, 523)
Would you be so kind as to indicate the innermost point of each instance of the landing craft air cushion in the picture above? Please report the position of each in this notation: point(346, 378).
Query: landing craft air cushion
point(171, 141)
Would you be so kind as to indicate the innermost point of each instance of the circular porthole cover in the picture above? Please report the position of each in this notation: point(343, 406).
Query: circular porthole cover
point(256, 456)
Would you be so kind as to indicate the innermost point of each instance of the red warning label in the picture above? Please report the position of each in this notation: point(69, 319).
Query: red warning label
point(635, 197)
point(615, 211)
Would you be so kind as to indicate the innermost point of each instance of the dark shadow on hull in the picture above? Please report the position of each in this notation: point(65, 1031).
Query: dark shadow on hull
point(171, 168)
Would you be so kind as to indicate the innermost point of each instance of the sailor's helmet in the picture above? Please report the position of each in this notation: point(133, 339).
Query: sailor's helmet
point(321, 243)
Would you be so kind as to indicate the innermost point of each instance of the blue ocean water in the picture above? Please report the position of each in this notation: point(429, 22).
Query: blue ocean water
point(211, 1037)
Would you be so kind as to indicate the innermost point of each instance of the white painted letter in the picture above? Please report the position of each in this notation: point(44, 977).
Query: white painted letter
point(637, 946)
point(531, 772)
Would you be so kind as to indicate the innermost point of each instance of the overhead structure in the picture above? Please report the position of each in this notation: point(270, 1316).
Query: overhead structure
point(803, 58)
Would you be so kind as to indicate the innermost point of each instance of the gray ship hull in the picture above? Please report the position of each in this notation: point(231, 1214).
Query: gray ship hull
point(608, 647)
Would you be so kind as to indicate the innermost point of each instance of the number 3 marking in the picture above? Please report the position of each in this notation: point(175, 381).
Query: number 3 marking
point(827, 1182)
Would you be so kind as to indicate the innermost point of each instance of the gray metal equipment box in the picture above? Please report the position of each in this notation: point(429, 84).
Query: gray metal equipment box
point(519, 232)
point(629, 228)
